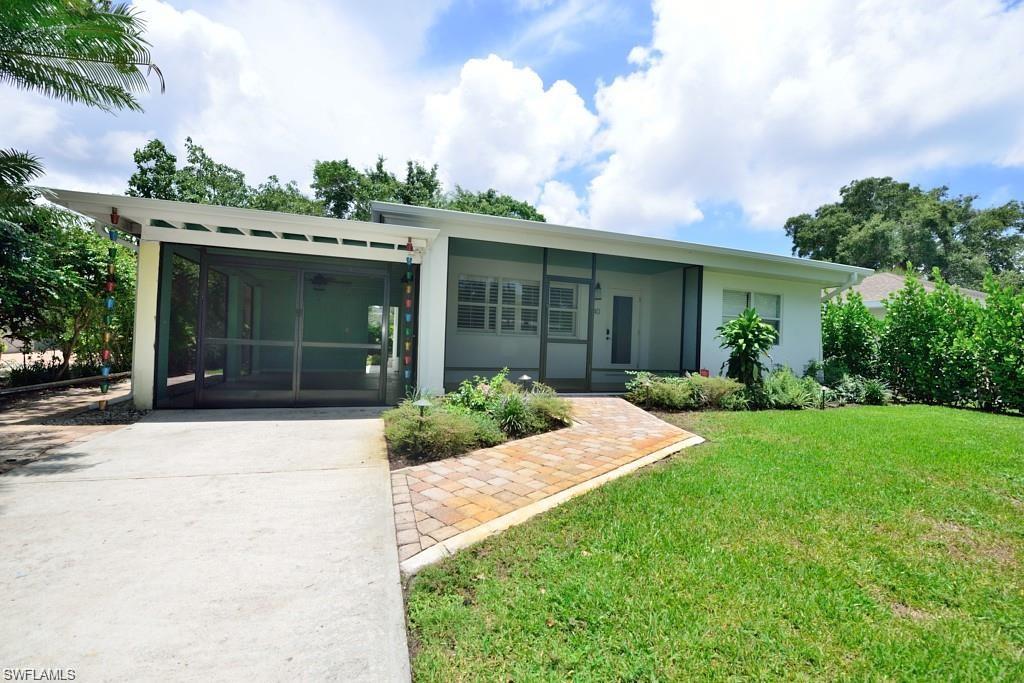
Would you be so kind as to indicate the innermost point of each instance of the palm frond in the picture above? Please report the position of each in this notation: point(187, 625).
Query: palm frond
point(75, 51)
point(18, 168)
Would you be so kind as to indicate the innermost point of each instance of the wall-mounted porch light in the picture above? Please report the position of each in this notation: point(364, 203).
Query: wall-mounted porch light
point(597, 292)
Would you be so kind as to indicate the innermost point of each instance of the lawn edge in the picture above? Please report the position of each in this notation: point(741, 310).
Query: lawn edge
point(438, 552)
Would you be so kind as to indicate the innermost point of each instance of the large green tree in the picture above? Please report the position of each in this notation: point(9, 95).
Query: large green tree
point(884, 224)
point(348, 192)
point(340, 190)
point(491, 203)
point(52, 272)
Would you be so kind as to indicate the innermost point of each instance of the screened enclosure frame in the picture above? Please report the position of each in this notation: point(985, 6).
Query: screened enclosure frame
point(588, 271)
point(300, 269)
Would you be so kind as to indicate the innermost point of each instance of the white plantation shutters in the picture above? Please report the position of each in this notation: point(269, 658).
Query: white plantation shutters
point(497, 305)
point(562, 310)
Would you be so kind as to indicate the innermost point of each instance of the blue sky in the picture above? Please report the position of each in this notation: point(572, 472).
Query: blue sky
point(708, 123)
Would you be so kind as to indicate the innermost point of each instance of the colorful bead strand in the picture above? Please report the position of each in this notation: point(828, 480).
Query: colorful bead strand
point(407, 294)
point(108, 318)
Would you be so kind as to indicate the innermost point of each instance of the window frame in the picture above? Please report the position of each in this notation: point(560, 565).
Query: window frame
point(749, 297)
point(497, 305)
point(574, 311)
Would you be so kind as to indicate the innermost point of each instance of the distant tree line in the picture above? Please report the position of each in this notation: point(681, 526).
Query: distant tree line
point(884, 224)
point(340, 190)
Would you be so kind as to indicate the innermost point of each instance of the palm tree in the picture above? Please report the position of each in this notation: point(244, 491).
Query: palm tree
point(81, 51)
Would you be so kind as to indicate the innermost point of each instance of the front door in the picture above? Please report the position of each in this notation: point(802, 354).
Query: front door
point(617, 334)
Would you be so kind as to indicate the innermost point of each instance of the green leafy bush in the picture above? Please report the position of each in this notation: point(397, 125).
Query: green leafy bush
point(783, 390)
point(717, 393)
point(1000, 346)
point(549, 411)
point(689, 392)
point(512, 414)
point(439, 433)
point(875, 392)
point(482, 412)
point(748, 339)
point(928, 350)
point(849, 337)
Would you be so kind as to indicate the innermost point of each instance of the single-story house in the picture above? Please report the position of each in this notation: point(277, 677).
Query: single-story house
point(238, 307)
point(878, 287)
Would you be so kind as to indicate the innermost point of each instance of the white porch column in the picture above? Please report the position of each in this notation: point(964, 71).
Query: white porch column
point(144, 345)
point(433, 305)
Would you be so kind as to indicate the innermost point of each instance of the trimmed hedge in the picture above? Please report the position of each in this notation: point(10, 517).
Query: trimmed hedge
point(937, 347)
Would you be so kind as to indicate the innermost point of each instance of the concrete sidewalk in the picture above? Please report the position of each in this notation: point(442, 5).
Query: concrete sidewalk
point(226, 545)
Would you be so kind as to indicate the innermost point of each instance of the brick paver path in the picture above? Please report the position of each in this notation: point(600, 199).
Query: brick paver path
point(441, 499)
point(24, 436)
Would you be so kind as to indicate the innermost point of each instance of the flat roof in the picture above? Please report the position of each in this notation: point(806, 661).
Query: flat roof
point(438, 218)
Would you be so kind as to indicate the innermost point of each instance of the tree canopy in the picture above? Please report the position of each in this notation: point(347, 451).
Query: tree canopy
point(884, 224)
point(340, 189)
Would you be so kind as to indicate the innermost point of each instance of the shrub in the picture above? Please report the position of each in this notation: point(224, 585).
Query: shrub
point(512, 414)
point(748, 339)
point(848, 389)
point(849, 337)
point(548, 410)
point(481, 394)
point(1000, 346)
point(875, 392)
point(736, 401)
point(784, 390)
point(689, 392)
point(439, 433)
point(927, 348)
point(718, 392)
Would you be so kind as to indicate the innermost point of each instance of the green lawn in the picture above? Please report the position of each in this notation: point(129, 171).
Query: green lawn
point(860, 542)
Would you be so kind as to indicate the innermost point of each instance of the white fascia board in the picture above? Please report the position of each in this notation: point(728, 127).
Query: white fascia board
point(138, 211)
point(517, 231)
point(275, 245)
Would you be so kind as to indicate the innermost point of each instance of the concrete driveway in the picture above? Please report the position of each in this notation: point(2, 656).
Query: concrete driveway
point(254, 544)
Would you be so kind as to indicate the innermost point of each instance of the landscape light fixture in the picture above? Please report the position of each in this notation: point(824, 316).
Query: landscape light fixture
point(422, 404)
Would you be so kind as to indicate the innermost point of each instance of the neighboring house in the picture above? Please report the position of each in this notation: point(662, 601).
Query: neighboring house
point(238, 307)
point(878, 287)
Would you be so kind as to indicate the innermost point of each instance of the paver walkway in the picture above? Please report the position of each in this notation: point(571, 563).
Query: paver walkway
point(440, 500)
point(24, 436)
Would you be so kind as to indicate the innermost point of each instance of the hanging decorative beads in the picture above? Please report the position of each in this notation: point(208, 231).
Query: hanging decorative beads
point(407, 294)
point(108, 314)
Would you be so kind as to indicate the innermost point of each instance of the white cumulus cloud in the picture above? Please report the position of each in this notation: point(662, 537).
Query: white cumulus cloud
point(776, 105)
point(561, 205)
point(499, 127)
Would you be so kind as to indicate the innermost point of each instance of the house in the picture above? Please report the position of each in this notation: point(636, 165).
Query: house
point(238, 307)
point(878, 287)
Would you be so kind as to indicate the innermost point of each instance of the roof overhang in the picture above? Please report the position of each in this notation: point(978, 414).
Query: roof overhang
point(533, 233)
point(159, 220)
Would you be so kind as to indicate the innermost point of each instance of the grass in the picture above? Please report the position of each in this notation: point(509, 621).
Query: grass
point(868, 542)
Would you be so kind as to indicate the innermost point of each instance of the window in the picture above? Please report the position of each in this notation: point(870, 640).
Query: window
point(498, 305)
point(768, 306)
point(563, 305)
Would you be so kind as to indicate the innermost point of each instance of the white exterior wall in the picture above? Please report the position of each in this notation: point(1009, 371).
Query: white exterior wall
point(800, 339)
point(430, 338)
point(144, 341)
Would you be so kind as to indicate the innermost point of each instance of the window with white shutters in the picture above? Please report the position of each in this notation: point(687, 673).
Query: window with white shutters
point(498, 305)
